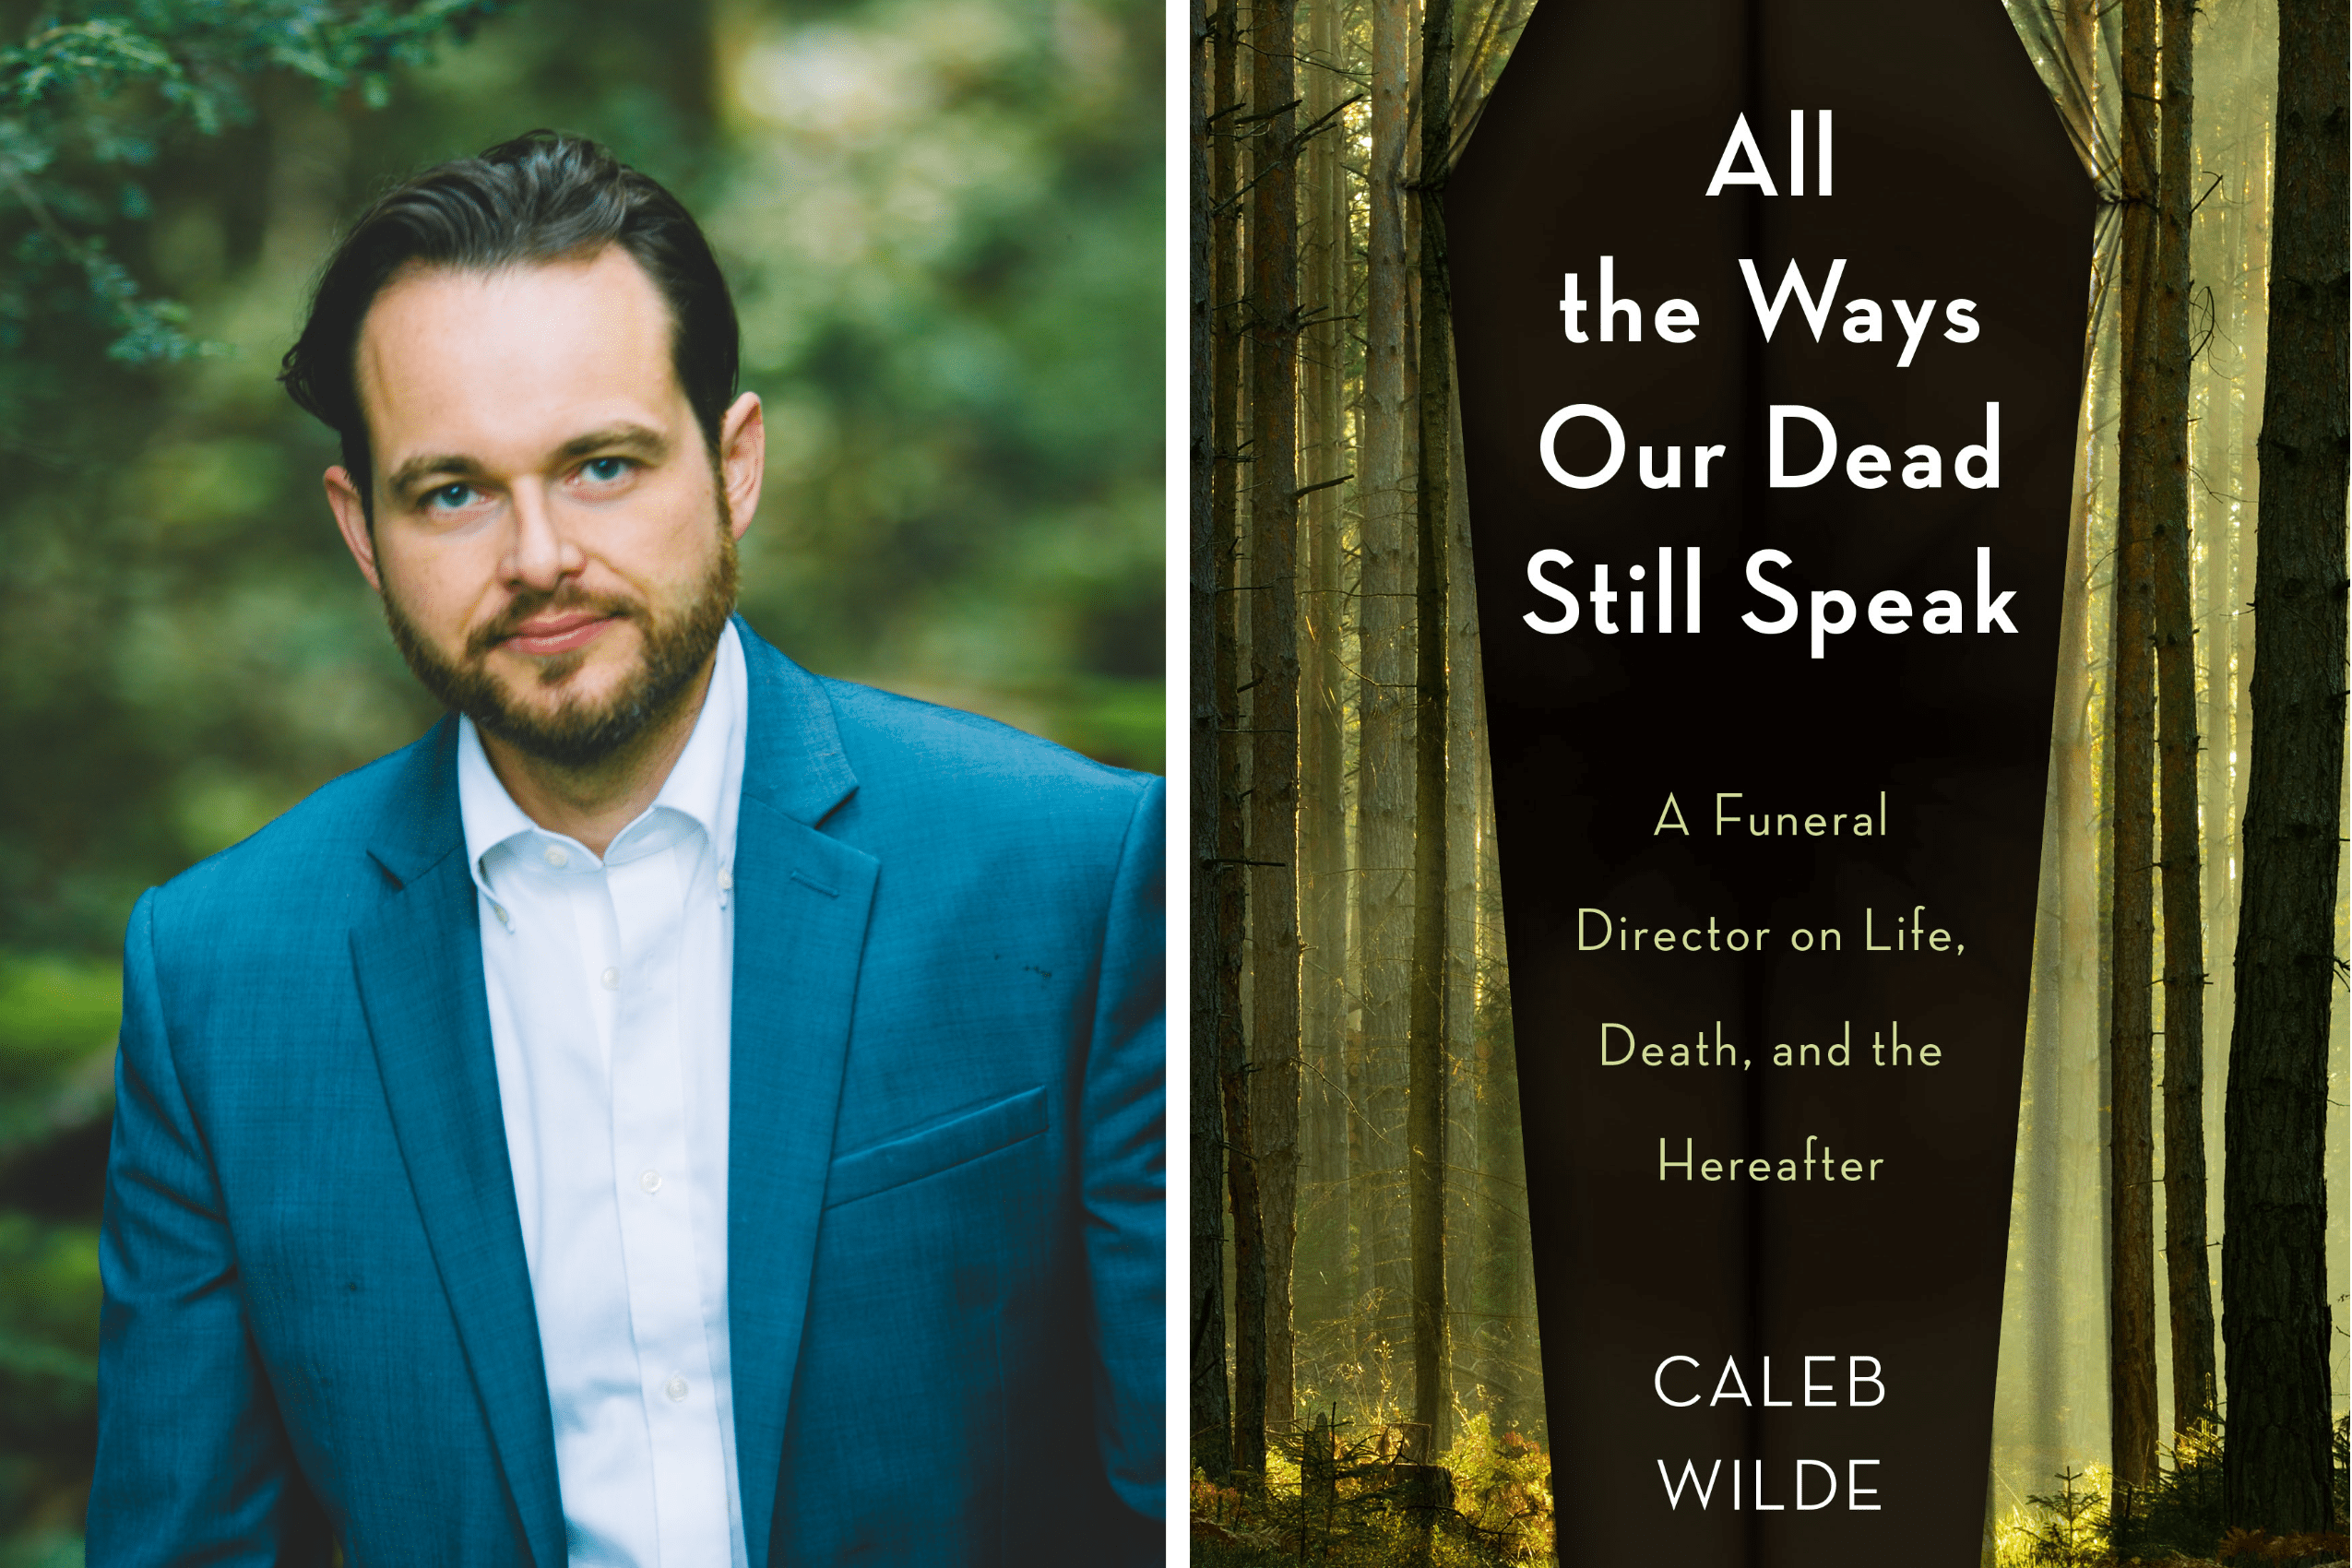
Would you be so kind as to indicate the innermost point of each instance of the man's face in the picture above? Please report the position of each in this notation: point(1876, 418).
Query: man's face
point(556, 553)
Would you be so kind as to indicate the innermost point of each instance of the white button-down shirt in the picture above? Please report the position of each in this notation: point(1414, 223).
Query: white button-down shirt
point(609, 985)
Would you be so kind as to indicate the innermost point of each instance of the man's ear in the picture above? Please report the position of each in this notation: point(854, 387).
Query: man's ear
point(743, 459)
point(350, 520)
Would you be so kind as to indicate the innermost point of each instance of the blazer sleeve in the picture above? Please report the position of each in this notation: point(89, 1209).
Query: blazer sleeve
point(1125, 1168)
point(193, 1461)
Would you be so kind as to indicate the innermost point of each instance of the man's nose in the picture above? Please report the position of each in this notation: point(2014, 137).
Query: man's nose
point(538, 553)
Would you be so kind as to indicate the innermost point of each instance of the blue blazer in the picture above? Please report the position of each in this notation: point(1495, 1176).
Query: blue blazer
point(945, 1181)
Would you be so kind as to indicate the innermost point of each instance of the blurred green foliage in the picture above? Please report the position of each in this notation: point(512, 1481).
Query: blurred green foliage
point(91, 90)
point(943, 219)
point(951, 284)
point(57, 1019)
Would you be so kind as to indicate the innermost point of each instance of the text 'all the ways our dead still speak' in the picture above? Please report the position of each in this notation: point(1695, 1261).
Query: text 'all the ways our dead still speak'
point(1798, 445)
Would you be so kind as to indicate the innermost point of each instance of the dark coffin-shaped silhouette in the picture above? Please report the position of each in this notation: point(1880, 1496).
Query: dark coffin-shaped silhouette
point(1951, 180)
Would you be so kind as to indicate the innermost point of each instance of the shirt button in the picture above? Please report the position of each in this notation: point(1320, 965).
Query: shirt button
point(611, 980)
point(726, 881)
point(500, 910)
point(676, 1388)
point(650, 1181)
point(555, 855)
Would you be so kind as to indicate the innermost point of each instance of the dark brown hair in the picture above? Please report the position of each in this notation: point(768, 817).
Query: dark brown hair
point(544, 196)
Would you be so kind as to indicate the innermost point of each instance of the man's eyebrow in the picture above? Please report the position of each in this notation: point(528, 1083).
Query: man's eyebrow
point(636, 439)
point(405, 478)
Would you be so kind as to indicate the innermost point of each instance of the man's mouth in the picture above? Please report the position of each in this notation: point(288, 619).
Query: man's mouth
point(543, 636)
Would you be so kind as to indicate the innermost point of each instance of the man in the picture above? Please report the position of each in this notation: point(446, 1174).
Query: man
point(680, 1111)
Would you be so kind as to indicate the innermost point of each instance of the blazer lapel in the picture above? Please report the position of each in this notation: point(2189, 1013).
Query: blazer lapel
point(419, 966)
point(802, 903)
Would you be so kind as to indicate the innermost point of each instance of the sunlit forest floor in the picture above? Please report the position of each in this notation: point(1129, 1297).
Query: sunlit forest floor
point(1362, 1508)
point(2086, 1521)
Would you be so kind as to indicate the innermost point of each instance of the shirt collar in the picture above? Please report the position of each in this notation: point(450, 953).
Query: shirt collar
point(704, 785)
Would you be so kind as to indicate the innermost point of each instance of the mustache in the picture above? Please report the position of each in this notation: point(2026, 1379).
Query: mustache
point(509, 621)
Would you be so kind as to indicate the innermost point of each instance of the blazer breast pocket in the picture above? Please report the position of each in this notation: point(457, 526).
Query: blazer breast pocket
point(942, 1145)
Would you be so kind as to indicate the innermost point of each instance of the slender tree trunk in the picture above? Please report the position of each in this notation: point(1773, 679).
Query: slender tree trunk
point(2188, 1277)
point(1249, 1260)
point(1212, 1415)
point(2131, 736)
point(1383, 777)
point(1428, 1070)
point(2226, 583)
point(1318, 1287)
point(1361, 1182)
point(1274, 676)
point(1231, 918)
point(1355, 1279)
point(2275, 1314)
point(1469, 1232)
point(1512, 1371)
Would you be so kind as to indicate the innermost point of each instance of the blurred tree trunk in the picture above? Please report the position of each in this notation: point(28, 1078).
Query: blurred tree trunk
point(2234, 117)
point(1249, 1243)
point(2275, 1314)
point(1428, 1070)
point(1382, 779)
point(1361, 1216)
point(1470, 1235)
point(1232, 917)
point(2188, 1277)
point(1211, 1410)
point(2228, 580)
point(1319, 1271)
point(2132, 735)
point(1506, 1299)
point(1274, 675)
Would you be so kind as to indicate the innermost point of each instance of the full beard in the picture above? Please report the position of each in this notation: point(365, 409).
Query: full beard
point(578, 733)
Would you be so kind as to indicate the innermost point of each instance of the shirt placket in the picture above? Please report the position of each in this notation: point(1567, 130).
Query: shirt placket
point(640, 977)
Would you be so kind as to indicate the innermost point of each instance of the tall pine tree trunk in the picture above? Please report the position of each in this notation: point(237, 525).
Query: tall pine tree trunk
point(1211, 1406)
point(1383, 779)
point(1469, 1232)
point(1506, 1304)
point(1274, 678)
point(2131, 737)
point(1319, 1270)
point(1230, 917)
point(1428, 1068)
point(2188, 1278)
point(2275, 1317)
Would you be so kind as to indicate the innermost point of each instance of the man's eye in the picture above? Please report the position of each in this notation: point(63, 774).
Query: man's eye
point(605, 470)
point(449, 497)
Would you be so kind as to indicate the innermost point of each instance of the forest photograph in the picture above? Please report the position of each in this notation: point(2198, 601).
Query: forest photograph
point(942, 222)
point(1367, 1380)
